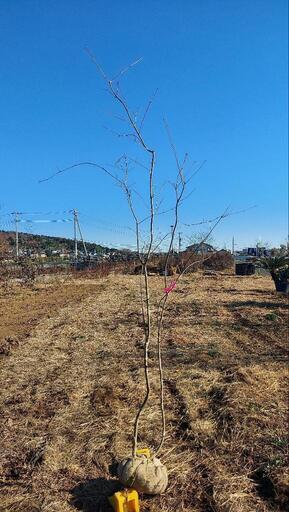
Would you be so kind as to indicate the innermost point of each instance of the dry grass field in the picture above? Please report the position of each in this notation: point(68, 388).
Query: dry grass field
point(71, 378)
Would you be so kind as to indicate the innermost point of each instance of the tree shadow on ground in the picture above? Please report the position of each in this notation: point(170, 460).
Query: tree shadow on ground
point(266, 292)
point(92, 495)
point(253, 303)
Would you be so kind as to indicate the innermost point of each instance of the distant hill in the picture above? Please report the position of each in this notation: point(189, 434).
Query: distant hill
point(45, 243)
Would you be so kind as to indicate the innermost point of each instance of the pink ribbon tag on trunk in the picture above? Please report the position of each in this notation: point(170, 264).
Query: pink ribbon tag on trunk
point(170, 287)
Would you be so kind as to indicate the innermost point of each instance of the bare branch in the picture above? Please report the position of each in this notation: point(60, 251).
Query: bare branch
point(93, 164)
point(172, 143)
point(160, 242)
point(121, 135)
point(147, 109)
point(208, 221)
point(201, 165)
point(93, 59)
point(127, 68)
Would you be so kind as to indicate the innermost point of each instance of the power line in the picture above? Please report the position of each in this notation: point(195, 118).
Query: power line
point(47, 221)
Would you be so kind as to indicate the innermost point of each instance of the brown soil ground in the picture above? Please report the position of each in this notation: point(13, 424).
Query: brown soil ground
point(22, 308)
point(71, 380)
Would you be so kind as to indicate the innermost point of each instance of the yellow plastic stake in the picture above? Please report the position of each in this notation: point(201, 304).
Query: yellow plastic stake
point(125, 501)
point(144, 451)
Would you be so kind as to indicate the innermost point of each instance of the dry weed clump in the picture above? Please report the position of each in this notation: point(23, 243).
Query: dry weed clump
point(70, 389)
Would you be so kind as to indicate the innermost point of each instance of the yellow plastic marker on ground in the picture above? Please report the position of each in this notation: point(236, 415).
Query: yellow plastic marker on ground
point(144, 451)
point(125, 501)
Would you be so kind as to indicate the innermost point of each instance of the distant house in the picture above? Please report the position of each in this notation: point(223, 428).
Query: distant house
point(201, 248)
point(258, 251)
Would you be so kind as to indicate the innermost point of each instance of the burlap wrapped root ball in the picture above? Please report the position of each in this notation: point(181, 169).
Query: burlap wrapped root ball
point(148, 476)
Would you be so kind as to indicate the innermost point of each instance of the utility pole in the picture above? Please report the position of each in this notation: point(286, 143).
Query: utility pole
point(76, 227)
point(172, 230)
point(180, 242)
point(16, 220)
point(233, 246)
point(75, 233)
point(80, 232)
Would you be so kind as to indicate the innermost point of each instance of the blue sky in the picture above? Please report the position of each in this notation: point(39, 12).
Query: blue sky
point(220, 68)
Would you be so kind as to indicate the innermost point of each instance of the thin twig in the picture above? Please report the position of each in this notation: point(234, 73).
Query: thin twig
point(147, 109)
point(93, 164)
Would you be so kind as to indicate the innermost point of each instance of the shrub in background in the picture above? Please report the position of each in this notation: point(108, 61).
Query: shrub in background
point(278, 266)
point(220, 260)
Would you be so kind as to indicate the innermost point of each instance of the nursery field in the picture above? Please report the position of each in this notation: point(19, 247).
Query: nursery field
point(71, 379)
